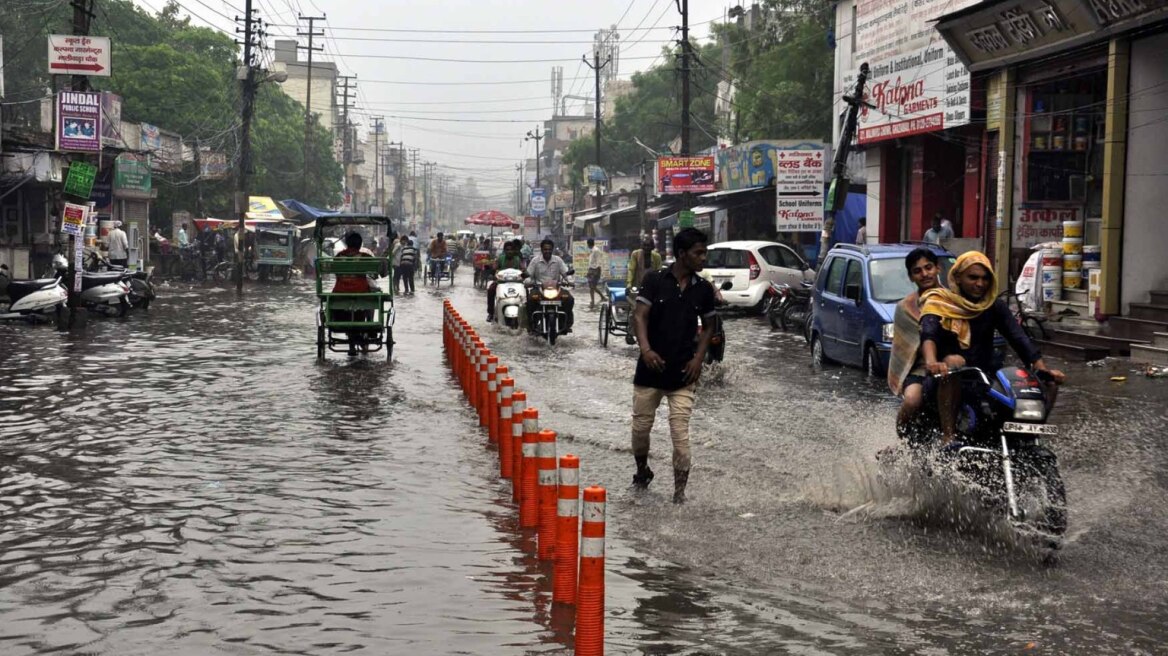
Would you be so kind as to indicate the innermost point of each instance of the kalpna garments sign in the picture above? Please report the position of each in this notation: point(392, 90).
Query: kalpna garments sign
point(917, 83)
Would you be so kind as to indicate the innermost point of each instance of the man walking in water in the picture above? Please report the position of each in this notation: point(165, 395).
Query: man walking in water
point(669, 303)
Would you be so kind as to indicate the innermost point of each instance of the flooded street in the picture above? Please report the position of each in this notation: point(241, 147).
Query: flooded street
point(190, 480)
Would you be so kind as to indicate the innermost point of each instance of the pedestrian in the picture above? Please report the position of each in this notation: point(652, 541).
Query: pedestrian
point(595, 260)
point(414, 238)
point(938, 232)
point(669, 303)
point(119, 246)
point(183, 241)
point(396, 255)
point(862, 233)
point(409, 264)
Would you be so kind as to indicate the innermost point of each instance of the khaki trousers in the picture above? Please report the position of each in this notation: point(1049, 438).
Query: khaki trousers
point(681, 404)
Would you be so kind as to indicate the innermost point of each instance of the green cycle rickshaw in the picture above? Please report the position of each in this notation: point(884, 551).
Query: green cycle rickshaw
point(347, 320)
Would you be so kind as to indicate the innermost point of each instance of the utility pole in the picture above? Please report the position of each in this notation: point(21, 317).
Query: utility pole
point(348, 92)
point(686, 198)
point(839, 181)
point(398, 189)
point(377, 125)
point(414, 183)
point(82, 13)
point(519, 189)
point(251, 39)
point(596, 67)
point(536, 135)
point(311, 33)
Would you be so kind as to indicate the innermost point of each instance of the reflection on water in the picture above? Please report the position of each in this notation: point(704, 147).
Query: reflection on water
point(192, 477)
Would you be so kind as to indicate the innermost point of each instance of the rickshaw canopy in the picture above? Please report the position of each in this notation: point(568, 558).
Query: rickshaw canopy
point(323, 223)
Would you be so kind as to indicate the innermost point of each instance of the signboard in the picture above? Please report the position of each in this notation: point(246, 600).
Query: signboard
point(917, 83)
point(593, 173)
point(111, 120)
point(79, 55)
point(539, 201)
point(79, 182)
point(151, 138)
point(531, 228)
point(685, 219)
point(753, 164)
point(1035, 225)
point(79, 121)
point(132, 171)
point(73, 219)
point(213, 165)
point(682, 174)
point(799, 191)
point(618, 263)
point(581, 253)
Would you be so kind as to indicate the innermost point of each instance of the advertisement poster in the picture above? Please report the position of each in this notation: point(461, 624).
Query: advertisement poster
point(538, 201)
point(917, 83)
point(151, 138)
point(799, 191)
point(111, 124)
point(531, 228)
point(213, 165)
point(681, 174)
point(753, 164)
point(73, 219)
point(132, 171)
point(580, 253)
point(79, 121)
point(1035, 225)
point(618, 264)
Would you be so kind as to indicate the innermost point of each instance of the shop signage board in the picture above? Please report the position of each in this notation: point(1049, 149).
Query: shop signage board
point(917, 83)
point(132, 172)
point(539, 201)
point(213, 165)
point(994, 34)
point(685, 219)
point(79, 121)
point(594, 173)
point(799, 194)
point(681, 174)
point(581, 254)
point(79, 55)
point(531, 228)
point(1035, 225)
point(80, 180)
point(73, 219)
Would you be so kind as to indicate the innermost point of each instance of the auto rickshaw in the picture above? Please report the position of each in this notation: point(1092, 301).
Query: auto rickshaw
point(346, 321)
point(275, 246)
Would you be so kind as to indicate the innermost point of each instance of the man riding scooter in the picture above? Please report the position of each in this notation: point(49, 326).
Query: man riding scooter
point(509, 259)
point(545, 269)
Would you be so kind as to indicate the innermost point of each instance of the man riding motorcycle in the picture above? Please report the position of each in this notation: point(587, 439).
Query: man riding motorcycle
point(549, 268)
point(509, 259)
point(960, 321)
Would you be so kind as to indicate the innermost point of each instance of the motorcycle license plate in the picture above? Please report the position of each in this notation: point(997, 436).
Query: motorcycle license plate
point(1030, 429)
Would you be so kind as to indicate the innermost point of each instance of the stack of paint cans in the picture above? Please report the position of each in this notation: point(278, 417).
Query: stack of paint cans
point(1072, 254)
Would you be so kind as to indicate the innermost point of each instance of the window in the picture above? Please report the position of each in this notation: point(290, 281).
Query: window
point(890, 282)
point(727, 258)
point(854, 281)
point(772, 255)
point(790, 259)
point(834, 276)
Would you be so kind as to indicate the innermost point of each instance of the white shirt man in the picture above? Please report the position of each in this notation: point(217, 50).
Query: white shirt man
point(119, 245)
point(183, 241)
point(595, 258)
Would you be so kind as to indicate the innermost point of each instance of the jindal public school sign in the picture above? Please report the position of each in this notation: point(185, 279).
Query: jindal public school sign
point(993, 34)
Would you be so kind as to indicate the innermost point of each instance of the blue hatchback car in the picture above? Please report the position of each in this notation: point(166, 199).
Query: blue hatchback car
point(853, 302)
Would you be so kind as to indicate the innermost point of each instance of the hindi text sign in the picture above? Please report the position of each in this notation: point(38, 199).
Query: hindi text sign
point(79, 55)
point(799, 190)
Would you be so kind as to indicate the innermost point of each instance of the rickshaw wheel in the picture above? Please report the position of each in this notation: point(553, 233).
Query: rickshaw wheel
point(603, 324)
point(320, 343)
point(287, 273)
point(388, 344)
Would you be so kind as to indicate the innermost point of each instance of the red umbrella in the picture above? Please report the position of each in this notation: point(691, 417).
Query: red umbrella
point(493, 218)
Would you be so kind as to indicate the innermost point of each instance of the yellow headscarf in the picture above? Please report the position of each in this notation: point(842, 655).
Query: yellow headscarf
point(954, 309)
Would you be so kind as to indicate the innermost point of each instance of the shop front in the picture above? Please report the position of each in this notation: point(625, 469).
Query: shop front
point(1076, 88)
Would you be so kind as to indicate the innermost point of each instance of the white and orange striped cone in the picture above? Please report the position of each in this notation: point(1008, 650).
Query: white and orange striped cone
point(567, 526)
point(529, 494)
point(518, 415)
point(590, 594)
point(503, 434)
point(545, 455)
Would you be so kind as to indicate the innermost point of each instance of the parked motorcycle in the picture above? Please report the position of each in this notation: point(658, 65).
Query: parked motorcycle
point(510, 296)
point(999, 451)
point(549, 319)
point(32, 300)
point(141, 286)
point(792, 310)
point(717, 350)
point(104, 292)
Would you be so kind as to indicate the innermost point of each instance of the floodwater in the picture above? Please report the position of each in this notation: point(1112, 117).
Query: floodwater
point(190, 480)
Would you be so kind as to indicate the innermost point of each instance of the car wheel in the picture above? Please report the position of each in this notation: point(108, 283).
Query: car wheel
point(872, 365)
point(818, 359)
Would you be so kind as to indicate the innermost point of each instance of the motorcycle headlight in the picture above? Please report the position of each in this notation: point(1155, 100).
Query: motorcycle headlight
point(551, 294)
point(886, 332)
point(1030, 409)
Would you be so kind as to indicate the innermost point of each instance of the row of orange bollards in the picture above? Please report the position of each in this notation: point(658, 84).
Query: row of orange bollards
point(547, 493)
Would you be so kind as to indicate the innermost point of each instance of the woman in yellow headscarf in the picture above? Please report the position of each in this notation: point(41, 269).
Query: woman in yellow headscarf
point(961, 321)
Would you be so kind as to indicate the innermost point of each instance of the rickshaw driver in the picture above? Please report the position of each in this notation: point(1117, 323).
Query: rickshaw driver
point(436, 254)
point(354, 284)
point(509, 259)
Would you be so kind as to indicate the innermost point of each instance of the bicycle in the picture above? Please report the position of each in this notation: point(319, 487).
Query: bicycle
point(1033, 321)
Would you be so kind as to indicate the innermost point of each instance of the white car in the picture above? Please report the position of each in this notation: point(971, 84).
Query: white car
point(751, 266)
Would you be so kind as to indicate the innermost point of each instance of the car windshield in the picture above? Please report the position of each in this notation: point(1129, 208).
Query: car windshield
point(890, 282)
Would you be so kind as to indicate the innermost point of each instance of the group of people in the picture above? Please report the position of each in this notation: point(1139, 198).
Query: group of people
point(547, 268)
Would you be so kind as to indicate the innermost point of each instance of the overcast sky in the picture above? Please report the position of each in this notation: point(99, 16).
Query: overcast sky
point(469, 115)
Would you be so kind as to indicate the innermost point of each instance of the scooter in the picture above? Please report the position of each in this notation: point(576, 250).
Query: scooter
point(509, 298)
point(793, 307)
point(141, 286)
point(105, 292)
point(32, 300)
point(999, 451)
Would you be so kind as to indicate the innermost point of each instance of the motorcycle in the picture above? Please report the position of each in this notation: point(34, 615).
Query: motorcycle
point(792, 309)
point(549, 320)
point(32, 299)
point(141, 286)
point(999, 450)
point(509, 297)
point(717, 349)
point(105, 292)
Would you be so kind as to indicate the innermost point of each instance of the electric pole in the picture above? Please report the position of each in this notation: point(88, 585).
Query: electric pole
point(536, 135)
point(414, 183)
point(251, 40)
point(377, 125)
point(596, 67)
point(348, 84)
point(519, 189)
point(398, 188)
point(311, 33)
point(686, 198)
point(82, 13)
point(839, 181)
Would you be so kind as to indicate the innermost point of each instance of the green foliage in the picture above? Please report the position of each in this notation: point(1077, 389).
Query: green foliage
point(181, 77)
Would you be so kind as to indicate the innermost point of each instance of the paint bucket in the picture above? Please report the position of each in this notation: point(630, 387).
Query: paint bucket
point(1072, 262)
point(1052, 275)
point(1072, 229)
point(1052, 292)
point(1073, 246)
point(1052, 258)
point(1072, 279)
point(1092, 256)
point(103, 229)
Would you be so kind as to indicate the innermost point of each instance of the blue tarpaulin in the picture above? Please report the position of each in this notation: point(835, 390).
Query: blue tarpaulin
point(847, 221)
point(305, 210)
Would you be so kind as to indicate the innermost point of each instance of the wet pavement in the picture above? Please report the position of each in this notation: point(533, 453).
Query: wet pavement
point(191, 481)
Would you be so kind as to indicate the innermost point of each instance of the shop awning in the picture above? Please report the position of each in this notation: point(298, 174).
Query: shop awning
point(585, 218)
